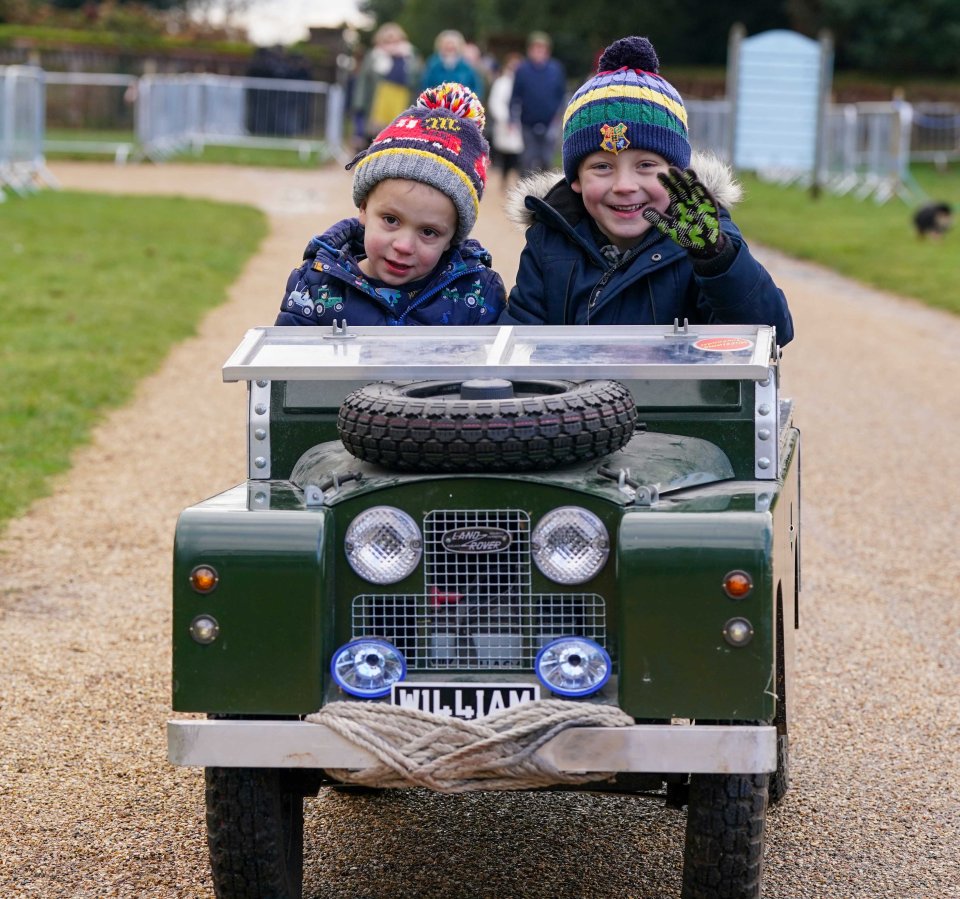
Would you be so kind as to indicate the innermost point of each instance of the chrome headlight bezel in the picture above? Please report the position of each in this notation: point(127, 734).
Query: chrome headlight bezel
point(383, 545)
point(367, 667)
point(570, 545)
point(573, 667)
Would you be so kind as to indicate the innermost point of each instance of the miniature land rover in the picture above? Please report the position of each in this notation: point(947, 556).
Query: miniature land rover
point(457, 525)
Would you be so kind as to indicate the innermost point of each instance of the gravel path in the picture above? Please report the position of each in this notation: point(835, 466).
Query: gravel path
point(90, 807)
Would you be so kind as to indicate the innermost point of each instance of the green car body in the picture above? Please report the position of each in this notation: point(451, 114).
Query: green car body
point(709, 487)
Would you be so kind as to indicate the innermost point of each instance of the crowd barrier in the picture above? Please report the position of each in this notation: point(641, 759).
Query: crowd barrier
point(866, 148)
point(22, 164)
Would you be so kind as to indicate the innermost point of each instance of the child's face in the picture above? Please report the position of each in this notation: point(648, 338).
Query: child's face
point(617, 187)
point(408, 227)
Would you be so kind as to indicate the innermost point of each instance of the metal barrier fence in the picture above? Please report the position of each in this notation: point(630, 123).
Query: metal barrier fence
point(867, 147)
point(91, 113)
point(22, 165)
point(179, 112)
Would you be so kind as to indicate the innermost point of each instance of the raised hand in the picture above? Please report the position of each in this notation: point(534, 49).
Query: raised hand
point(691, 218)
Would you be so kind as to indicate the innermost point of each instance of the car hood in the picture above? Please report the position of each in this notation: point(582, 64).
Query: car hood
point(663, 462)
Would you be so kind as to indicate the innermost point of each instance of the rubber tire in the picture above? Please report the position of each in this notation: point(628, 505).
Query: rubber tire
point(254, 833)
point(723, 856)
point(426, 426)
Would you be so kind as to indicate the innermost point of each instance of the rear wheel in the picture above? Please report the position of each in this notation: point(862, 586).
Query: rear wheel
point(255, 832)
point(723, 856)
point(440, 426)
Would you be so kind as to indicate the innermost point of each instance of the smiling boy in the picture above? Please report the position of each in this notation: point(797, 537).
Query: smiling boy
point(635, 232)
point(407, 259)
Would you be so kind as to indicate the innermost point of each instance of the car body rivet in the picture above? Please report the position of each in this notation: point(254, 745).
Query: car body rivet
point(260, 433)
point(764, 383)
point(260, 408)
point(262, 383)
point(763, 462)
point(763, 434)
point(260, 462)
point(763, 409)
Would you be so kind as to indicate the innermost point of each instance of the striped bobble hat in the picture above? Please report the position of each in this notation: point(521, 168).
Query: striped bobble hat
point(625, 105)
point(439, 141)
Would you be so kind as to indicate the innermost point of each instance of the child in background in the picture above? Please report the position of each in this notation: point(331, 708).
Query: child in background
point(634, 232)
point(407, 259)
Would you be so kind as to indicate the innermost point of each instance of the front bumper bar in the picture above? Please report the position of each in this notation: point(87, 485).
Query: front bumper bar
point(647, 748)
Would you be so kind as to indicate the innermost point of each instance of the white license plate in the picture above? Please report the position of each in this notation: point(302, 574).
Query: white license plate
point(466, 701)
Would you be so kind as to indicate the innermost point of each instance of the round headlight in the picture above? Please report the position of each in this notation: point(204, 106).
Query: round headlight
point(573, 666)
point(367, 668)
point(570, 545)
point(383, 545)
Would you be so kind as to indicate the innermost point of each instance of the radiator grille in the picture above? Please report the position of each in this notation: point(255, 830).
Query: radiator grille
point(476, 611)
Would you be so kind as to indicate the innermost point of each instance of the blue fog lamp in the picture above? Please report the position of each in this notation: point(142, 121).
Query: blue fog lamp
point(573, 666)
point(367, 668)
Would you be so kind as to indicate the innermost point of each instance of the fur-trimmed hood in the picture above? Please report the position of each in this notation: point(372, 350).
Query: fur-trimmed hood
point(717, 176)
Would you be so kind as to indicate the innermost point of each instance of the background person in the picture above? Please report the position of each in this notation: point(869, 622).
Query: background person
point(506, 135)
point(385, 84)
point(539, 88)
point(448, 63)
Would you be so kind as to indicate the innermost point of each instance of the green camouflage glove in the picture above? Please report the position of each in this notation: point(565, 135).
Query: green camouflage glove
point(691, 218)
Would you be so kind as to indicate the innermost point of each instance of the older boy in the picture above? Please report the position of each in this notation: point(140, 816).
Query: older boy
point(632, 235)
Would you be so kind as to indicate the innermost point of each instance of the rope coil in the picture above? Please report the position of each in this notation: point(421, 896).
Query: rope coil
point(450, 755)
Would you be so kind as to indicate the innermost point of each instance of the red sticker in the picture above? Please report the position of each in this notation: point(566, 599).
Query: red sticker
point(723, 344)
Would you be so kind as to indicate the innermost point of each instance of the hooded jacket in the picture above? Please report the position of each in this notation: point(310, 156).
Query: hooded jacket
point(564, 278)
point(329, 286)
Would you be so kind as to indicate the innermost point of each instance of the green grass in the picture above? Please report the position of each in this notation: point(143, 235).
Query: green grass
point(252, 156)
point(95, 291)
point(872, 243)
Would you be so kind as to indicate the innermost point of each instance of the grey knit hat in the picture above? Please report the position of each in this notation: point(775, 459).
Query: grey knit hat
point(439, 142)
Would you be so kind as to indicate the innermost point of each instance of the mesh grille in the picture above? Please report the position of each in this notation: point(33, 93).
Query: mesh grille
point(476, 611)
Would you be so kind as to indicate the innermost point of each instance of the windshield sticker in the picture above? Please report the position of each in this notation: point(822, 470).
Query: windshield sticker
point(723, 344)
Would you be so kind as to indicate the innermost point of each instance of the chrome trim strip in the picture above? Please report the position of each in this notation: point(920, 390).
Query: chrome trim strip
point(668, 749)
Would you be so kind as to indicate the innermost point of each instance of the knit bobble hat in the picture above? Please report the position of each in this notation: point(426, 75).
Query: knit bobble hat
point(625, 105)
point(439, 141)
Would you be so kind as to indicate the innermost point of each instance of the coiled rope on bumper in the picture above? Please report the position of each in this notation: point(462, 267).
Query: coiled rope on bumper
point(450, 755)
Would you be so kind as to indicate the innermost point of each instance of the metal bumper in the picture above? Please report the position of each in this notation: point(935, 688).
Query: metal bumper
point(648, 748)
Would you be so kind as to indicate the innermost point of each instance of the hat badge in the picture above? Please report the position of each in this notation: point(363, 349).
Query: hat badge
point(613, 138)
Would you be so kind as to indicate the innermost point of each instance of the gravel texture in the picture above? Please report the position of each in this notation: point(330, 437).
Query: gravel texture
point(89, 805)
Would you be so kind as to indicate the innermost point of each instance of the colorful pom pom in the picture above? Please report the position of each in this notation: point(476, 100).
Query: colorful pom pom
point(457, 99)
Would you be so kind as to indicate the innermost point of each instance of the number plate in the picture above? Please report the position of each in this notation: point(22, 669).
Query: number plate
point(466, 701)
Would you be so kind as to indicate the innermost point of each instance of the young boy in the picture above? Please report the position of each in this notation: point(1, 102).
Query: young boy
point(633, 235)
point(406, 259)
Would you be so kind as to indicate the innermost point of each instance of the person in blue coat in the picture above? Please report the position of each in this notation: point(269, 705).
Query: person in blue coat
point(637, 229)
point(407, 259)
point(449, 63)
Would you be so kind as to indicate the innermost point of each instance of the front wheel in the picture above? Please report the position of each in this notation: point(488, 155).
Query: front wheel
point(254, 833)
point(723, 856)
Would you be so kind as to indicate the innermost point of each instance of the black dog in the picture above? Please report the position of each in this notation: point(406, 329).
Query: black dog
point(933, 219)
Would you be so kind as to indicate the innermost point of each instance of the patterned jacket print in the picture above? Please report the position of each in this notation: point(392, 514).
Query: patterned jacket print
point(328, 286)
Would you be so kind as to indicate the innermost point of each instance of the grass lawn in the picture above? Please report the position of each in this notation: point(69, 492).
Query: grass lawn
point(95, 291)
point(85, 144)
point(872, 243)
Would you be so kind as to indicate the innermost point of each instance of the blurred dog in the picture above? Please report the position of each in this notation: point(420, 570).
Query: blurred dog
point(933, 220)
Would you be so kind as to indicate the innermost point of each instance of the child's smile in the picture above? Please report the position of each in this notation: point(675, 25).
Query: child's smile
point(617, 187)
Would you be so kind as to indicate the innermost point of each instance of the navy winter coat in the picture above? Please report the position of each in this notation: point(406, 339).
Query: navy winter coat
point(564, 278)
point(329, 286)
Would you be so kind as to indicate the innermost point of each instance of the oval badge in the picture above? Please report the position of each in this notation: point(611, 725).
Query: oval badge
point(476, 540)
point(723, 344)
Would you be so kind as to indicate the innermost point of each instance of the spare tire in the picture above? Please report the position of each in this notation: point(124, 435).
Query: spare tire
point(428, 426)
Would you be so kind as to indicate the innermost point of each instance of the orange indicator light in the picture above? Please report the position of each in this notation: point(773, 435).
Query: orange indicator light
point(737, 584)
point(204, 579)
